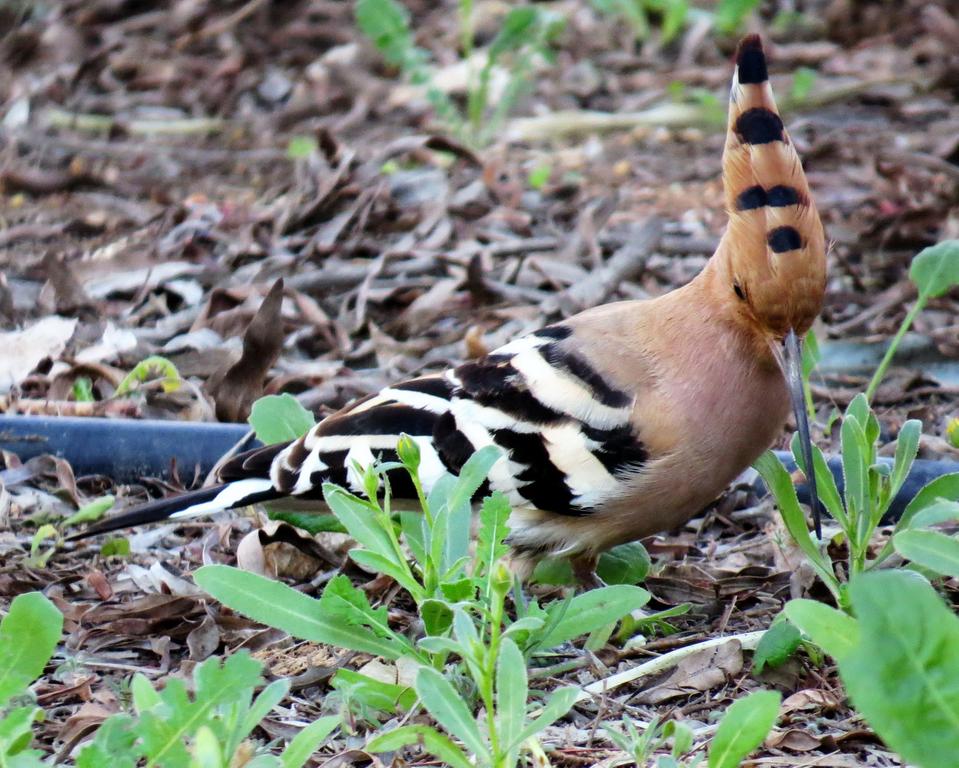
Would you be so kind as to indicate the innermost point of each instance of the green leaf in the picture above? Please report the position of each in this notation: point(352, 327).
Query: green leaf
point(307, 741)
point(730, 15)
point(380, 564)
point(445, 705)
point(432, 740)
point(744, 726)
point(943, 487)
point(437, 616)
point(776, 646)
point(112, 745)
point(539, 176)
point(930, 549)
point(803, 80)
point(907, 446)
point(277, 605)
point(300, 147)
point(934, 514)
point(935, 270)
point(459, 590)
point(493, 530)
point(90, 512)
point(152, 367)
point(385, 697)
point(515, 31)
point(310, 522)
point(29, 633)
point(825, 481)
point(358, 518)
point(557, 705)
point(145, 696)
point(855, 465)
point(831, 629)
point(164, 730)
point(262, 705)
point(902, 676)
point(279, 419)
point(115, 547)
point(625, 564)
point(340, 599)
point(511, 693)
point(594, 609)
point(553, 570)
point(387, 24)
point(778, 482)
point(83, 389)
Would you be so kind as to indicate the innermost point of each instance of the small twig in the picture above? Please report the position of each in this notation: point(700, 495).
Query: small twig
point(61, 118)
point(623, 265)
point(748, 641)
point(222, 25)
point(129, 409)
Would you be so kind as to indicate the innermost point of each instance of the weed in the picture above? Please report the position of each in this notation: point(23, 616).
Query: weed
point(28, 636)
point(870, 485)
point(674, 15)
point(743, 727)
point(934, 271)
point(461, 602)
point(897, 658)
point(153, 367)
point(210, 728)
point(526, 34)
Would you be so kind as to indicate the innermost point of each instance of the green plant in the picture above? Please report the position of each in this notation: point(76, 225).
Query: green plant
point(153, 367)
point(934, 271)
point(898, 660)
point(526, 33)
point(869, 488)
point(209, 729)
point(460, 599)
point(640, 745)
point(730, 14)
point(497, 669)
point(742, 728)
point(29, 633)
point(672, 13)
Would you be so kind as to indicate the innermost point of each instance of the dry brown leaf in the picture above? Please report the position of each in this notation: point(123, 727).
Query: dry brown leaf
point(23, 350)
point(795, 740)
point(700, 671)
point(235, 390)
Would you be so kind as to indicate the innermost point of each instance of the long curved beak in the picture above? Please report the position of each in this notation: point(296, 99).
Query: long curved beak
point(792, 368)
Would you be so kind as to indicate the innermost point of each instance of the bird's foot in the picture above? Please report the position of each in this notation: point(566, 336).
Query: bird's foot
point(584, 570)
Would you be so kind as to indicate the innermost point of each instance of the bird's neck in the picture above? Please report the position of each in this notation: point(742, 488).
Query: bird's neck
point(711, 291)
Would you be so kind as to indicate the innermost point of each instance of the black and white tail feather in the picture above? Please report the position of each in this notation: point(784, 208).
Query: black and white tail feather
point(565, 432)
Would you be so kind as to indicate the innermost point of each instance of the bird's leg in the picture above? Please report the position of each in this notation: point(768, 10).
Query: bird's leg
point(584, 570)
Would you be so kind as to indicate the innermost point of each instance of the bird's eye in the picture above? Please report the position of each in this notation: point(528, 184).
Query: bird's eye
point(740, 293)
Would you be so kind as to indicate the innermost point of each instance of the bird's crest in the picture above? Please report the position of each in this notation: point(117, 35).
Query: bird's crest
point(774, 247)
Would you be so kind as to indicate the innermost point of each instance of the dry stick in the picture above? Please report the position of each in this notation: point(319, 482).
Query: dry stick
point(889, 299)
point(112, 149)
point(558, 124)
point(623, 264)
point(33, 407)
point(61, 118)
point(748, 641)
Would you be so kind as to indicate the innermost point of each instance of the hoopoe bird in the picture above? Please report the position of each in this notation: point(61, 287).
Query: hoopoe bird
point(620, 422)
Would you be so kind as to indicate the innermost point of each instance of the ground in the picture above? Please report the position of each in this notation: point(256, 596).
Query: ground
point(154, 191)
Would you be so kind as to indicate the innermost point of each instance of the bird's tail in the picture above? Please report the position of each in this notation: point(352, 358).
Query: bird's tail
point(206, 501)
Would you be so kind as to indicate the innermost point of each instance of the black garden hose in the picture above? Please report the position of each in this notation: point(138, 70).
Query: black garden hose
point(127, 450)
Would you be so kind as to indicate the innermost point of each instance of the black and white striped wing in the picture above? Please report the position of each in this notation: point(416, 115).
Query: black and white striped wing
point(565, 432)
